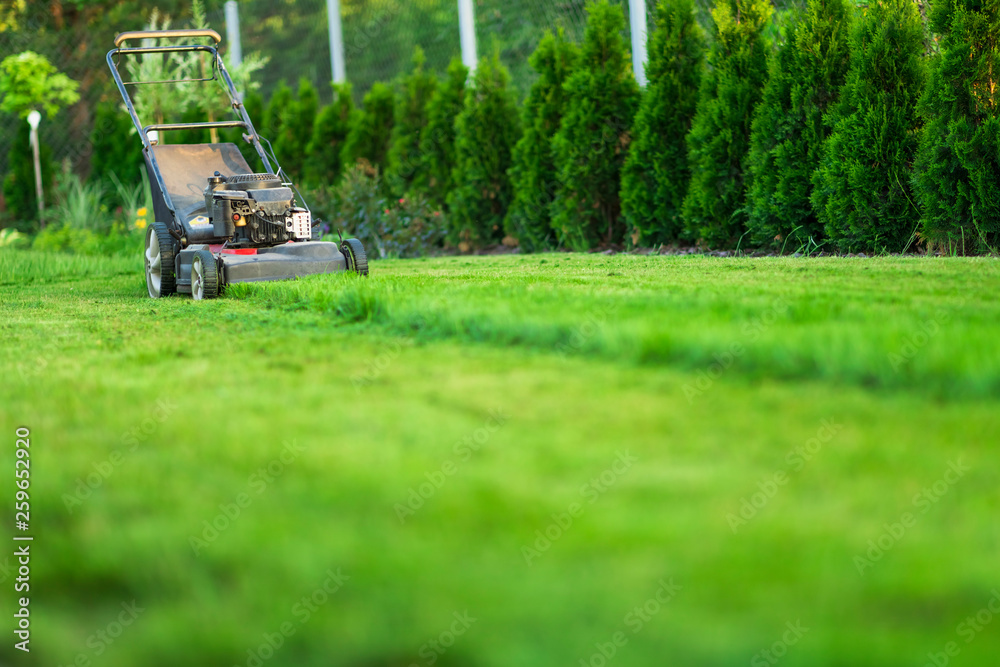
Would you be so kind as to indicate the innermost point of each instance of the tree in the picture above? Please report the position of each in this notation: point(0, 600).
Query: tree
point(295, 123)
point(804, 80)
point(533, 175)
point(593, 140)
point(371, 131)
point(115, 144)
point(411, 117)
point(720, 133)
point(485, 133)
point(957, 169)
point(323, 164)
point(656, 173)
point(29, 81)
point(281, 102)
point(862, 191)
point(437, 140)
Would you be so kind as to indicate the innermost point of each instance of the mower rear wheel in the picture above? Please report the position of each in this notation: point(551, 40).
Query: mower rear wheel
point(204, 276)
point(160, 251)
point(354, 252)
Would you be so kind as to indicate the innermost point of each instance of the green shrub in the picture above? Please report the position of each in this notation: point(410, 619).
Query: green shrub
point(533, 175)
point(19, 189)
point(590, 147)
point(371, 130)
point(862, 188)
point(485, 133)
point(119, 241)
point(804, 80)
point(957, 170)
point(323, 165)
point(411, 118)
point(656, 174)
point(82, 222)
point(437, 141)
point(405, 227)
point(81, 205)
point(720, 133)
point(11, 238)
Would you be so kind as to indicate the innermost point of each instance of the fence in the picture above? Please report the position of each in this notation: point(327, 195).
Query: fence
point(379, 39)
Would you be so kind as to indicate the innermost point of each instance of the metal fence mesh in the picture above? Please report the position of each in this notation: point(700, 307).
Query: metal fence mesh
point(379, 39)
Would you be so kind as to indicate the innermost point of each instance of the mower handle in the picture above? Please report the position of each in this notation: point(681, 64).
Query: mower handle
point(165, 34)
point(220, 124)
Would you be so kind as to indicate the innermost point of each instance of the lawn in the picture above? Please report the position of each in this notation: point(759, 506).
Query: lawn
point(539, 460)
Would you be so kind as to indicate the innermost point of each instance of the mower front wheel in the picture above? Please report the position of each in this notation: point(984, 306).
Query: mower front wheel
point(354, 252)
point(204, 276)
point(161, 248)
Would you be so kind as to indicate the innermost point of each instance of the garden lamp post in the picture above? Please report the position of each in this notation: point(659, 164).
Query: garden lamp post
point(34, 118)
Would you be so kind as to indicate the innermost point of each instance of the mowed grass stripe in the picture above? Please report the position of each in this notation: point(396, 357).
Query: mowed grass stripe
point(928, 325)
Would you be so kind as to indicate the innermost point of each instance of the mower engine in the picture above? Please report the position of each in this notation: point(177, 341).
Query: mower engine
point(255, 211)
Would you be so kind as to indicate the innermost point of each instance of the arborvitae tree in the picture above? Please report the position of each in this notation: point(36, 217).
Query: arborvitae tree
point(323, 165)
point(410, 120)
point(804, 80)
point(957, 170)
point(281, 100)
point(593, 140)
point(656, 173)
point(720, 133)
point(533, 174)
point(113, 141)
point(862, 189)
point(485, 134)
point(305, 118)
point(371, 131)
point(437, 141)
point(296, 122)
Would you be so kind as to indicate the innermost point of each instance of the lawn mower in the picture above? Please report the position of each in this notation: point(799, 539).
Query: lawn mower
point(217, 221)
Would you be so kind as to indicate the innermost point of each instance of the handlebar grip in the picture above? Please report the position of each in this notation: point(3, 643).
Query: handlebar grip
point(164, 34)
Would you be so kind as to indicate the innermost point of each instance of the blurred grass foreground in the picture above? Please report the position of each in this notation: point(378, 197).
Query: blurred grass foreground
point(474, 461)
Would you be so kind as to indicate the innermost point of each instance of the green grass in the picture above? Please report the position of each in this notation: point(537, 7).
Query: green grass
point(381, 381)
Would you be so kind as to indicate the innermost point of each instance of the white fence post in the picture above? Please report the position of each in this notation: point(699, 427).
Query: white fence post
point(336, 41)
point(637, 18)
point(467, 30)
point(234, 47)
